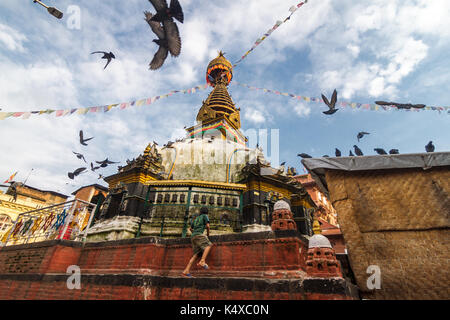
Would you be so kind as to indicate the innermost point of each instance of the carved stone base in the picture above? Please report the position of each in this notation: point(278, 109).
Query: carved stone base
point(255, 228)
point(116, 228)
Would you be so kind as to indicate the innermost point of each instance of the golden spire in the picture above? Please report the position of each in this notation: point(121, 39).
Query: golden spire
point(316, 226)
point(219, 103)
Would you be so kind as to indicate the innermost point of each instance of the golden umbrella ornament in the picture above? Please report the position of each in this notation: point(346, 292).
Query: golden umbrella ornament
point(53, 11)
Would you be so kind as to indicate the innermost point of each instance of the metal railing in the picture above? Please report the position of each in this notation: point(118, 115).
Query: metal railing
point(69, 220)
point(234, 220)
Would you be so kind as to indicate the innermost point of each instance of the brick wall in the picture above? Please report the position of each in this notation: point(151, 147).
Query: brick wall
point(263, 265)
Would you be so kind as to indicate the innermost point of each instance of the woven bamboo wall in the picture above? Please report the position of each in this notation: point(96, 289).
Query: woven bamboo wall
point(399, 220)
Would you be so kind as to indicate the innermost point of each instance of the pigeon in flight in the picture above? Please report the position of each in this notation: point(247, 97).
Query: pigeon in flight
point(331, 104)
point(105, 162)
point(337, 152)
point(79, 156)
point(82, 140)
point(108, 56)
point(94, 168)
point(304, 155)
point(76, 172)
point(163, 12)
point(380, 151)
point(429, 147)
point(393, 151)
point(168, 40)
point(361, 134)
point(350, 154)
point(401, 105)
point(358, 150)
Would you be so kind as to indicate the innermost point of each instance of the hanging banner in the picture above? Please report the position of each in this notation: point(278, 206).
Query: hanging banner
point(277, 24)
point(344, 104)
point(105, 108)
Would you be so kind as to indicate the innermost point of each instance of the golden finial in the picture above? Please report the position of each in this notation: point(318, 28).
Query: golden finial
point(316, 227)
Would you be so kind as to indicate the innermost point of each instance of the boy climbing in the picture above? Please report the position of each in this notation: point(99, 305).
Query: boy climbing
point(200, 242)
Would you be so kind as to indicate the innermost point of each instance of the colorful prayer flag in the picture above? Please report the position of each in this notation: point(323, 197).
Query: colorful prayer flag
point(10, 178)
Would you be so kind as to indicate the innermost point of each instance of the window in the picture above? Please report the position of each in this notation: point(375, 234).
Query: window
point(5, 222)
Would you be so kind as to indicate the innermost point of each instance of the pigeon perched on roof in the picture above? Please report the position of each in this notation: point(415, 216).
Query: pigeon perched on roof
point(350, 154)
point(429, 147)
point(331, 104)
point(337, 152)
point(358, 151)
point(304, 155)
point(361, 134)
point(380, 151)
point(108, 56)
point(393, 151)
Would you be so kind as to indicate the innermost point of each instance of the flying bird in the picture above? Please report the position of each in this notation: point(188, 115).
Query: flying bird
point(108, 56)
point(304, 155)
point(350, 154)
point(79, 156)
point(361, 134)
point(401, 105)
point(393, 151)
point(82, 140)
point(76, 172)
point(168, 40)
point(429, 147)
point(380, 151)
point(337, 152)
point(331, 104)
point(163, 12)
point(358, 151)
point(94, 168)
point(105, 162)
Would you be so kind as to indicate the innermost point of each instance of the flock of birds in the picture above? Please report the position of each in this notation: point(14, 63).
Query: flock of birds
point(168, 40)
point(428, 148)
point(163, 25)
point(78, 171)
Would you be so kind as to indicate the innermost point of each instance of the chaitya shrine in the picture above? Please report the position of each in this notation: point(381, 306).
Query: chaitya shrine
point(160, 191)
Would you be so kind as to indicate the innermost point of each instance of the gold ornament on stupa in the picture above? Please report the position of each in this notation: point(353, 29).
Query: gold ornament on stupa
point(316, 227)
point(219, 69)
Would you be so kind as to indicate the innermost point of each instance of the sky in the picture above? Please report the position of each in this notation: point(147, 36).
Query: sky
point(368, 50)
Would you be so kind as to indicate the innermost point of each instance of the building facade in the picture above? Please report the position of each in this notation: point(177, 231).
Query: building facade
point(23, 198)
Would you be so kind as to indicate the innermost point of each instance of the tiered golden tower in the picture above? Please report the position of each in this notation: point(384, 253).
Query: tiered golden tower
point(218, 114)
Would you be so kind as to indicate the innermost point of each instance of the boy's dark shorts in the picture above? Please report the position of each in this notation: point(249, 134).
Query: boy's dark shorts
point(199, 243)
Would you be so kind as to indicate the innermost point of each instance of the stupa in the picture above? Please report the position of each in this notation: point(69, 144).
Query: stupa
point(160, 191)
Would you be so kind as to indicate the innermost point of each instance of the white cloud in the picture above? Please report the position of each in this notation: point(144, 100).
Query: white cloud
point(302, 110)
point(11, 38)
point(254, 115)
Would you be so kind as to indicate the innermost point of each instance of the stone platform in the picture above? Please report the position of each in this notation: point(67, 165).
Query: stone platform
point(264, 265)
